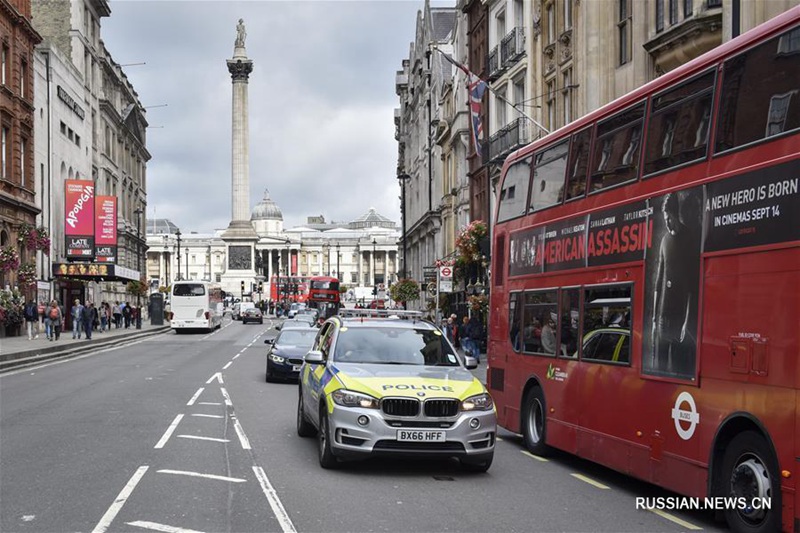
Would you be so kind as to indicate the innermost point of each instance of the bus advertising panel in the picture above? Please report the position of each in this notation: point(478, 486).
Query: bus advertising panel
point(105, 229)
point(79, 219)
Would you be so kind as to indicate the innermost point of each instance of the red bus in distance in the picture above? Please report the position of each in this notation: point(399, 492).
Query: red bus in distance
point(646, 273)
point(323, 294)
point(288, 288)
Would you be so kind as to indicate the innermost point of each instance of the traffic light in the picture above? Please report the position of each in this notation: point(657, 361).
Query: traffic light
point(242, 286)
point(374, 291)
point(260, 287)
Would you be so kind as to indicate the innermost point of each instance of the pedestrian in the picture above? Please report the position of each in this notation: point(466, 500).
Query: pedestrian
point(117, 312)
point(56, 319)
point(466, 337)
point(126, 314)
point(76, 314)
point(103, 311)
point(31, 314)
point(48, 323)
point(476, 336)
point(88, 316)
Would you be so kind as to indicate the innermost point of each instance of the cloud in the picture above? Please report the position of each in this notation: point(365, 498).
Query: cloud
point(321, 103)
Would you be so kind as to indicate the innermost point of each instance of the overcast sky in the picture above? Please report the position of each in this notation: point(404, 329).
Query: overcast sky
point(321, 99)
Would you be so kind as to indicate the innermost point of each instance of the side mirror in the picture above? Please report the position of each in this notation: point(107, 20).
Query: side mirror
point(470, 362)
point(314, 357)
point(269, 341)
point(278, 327)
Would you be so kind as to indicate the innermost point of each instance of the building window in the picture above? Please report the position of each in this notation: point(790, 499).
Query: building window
point(673, 12)
point(500, 102)
point(687, 8)
point(500, 24)
point(23, 76)
point(519, 92)
point(567, 14)
point(4, 65)
point(22, 146)
point(659, 15)
point(566, 91)
point(77, 139)
point(551, 24)
point(4, 140)
point(551, 105)
point(624, 30)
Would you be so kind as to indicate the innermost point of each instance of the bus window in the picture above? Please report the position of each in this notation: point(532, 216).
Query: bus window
point(514, 193)
point(616, 151)
point(539, 318)
point(548, 177)
point(514, 319)
point(568, 332)
point(606, 320)
point(578, 164)
point(677, 132)
point(760, 93)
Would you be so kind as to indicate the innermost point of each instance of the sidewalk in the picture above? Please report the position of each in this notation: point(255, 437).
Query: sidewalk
point(18, 352)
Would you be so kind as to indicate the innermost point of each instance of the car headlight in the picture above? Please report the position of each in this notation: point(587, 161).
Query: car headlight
point(276, 358)
point(347, 398)
point(480, 402)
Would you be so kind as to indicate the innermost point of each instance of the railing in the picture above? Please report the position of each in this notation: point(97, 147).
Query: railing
point(512, 136)
point(512, 47)
point(493, 64)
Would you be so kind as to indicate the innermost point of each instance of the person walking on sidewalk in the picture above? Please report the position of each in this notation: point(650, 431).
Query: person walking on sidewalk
point(117, 312)
point(126, 314)
point(88, 317)
point(31, 314)
point(76, 314)
point(56, 319)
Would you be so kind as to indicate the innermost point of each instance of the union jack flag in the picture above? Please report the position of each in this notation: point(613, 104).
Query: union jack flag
point(476, 88)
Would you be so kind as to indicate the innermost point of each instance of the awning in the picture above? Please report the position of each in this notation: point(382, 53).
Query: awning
point(95, 272)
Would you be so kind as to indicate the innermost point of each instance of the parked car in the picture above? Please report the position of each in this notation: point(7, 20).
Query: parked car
point(239, 308)
point(393, 385)
point(285, 355)
point(252, 314)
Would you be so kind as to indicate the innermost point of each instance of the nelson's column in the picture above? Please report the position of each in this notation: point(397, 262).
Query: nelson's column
point(240, 237)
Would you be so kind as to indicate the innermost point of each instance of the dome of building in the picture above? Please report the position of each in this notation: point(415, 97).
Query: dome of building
point(371, 219)
point(160, 226)
point(266, 209)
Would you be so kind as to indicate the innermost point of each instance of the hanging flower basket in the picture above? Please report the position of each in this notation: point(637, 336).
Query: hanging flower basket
point(479, 303)
point(11, 303)
point(405, 290)
point(26, 275)
point(9, 258)
point(469, 239)
point(35, 238)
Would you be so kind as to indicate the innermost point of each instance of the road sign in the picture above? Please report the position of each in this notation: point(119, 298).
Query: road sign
point(429, 273)
point(446, 272)
point(446, 286)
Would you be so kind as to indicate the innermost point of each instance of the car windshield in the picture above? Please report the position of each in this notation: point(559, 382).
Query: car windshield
point(394, 346)
point(296, 337)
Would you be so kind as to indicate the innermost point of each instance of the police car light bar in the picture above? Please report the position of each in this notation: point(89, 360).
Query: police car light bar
point(346, 312)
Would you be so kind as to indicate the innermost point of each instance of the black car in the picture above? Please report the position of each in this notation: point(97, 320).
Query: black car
point(285, 356)
point(252, 315)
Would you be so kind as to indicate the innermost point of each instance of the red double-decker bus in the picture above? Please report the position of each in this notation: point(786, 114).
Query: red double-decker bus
point(323, 294)
point(646, 282)
point(288, 288)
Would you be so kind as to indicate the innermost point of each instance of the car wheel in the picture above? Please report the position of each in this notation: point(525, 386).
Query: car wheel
point(533, 422)
point(750, 471)
point(270, 377)
point(304, 426)
point(481, 465)
point(326, 457)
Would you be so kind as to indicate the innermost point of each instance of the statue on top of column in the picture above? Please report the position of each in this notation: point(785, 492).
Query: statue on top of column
point(241, 34)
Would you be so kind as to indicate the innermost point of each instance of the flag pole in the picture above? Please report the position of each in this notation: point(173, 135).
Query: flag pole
point(488, 86)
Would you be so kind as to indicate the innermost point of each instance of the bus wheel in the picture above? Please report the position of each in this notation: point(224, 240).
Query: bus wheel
point(750, 471)
point(533, 422)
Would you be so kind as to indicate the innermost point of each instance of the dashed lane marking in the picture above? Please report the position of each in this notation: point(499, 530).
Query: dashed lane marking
point(590, 481)
point(229, 363)
point(196, 395)
point(208, 416)
point(161, 527)
point(198, 437)
point(209, 403)
point(676, 520)
point(272, 497)
point(119, 501)
point(168, 432)
point(206, 476)
point(529, 454)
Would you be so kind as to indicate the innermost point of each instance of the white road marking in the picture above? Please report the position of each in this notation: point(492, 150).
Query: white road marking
point(217, 376)
point(240, 432)
point(168, 432)
point(119, 501)
point(28, 517)
point(529, 454)
point(590, 481)
point(198, 474)
point(228, 401)
point(237, 355)
point(209, 403)
point(229, 363)
point(196, 395)
point(675, 519)
point(161, 527)
point(274, 501)
point(203, 438)
point(208, 416)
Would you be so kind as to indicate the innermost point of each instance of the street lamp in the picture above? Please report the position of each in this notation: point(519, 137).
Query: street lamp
point(338, 271)
point(374, 267)
point(178, 235)
point(166, 261)
point(403, 179)
point(138, 212)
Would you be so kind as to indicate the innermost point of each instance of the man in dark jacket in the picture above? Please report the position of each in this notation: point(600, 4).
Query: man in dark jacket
point(31, 314)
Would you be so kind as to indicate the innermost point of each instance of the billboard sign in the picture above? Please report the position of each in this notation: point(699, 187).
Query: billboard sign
point(79, 218)
point(105, 229)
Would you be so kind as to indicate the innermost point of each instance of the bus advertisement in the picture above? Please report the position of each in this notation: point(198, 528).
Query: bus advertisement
point(196, 305)
point(646, 272)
